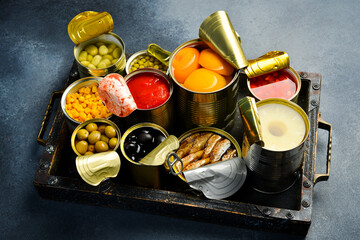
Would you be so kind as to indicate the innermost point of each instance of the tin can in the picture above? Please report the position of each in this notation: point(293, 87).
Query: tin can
point(161, 115)
point(143, 175)
point(270, 170)
point(140, 55)
point(291, 72)
point(215, 109)
point(117, 67)
point(218, 131)
point(73, 88)
point(89, 28)
point(97, 121)
point(97, 167)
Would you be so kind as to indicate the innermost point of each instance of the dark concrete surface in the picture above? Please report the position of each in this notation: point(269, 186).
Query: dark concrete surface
point(36, 55)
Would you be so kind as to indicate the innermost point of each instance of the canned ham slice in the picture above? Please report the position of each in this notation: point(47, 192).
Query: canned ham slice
point(116, 95)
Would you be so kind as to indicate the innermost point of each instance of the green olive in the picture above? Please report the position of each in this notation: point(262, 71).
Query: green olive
point(88, 153)
point(91, 127)
point(94, 137)
point(104, 138)
point(110, 132)
point(82, 147)
point(91, 148)
point(82, 134)
point(101, 146)
point(101, 128)
point(113, 142)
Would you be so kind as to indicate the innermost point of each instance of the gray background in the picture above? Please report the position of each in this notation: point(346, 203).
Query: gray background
point(36, 55)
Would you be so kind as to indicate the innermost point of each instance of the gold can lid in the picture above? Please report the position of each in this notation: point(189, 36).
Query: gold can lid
point(267, 63)
point(251, 121)
point(158, 156)
point(219, 34)
point(89, 24)
point(94, 168)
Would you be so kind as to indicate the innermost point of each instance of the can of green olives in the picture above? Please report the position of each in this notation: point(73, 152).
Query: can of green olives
point(97, 50)
point(135, 143)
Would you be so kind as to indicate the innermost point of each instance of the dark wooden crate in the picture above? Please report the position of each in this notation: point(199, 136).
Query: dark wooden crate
point(56, 178)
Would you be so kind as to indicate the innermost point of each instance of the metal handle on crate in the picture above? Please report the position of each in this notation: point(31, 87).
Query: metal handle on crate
point(318, 177)
point(47, 115)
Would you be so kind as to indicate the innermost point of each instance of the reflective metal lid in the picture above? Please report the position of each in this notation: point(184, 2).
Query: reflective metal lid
point(218, 33)
point(218, 180)
point(94, 168)
point(89, 24)
point(267, 63)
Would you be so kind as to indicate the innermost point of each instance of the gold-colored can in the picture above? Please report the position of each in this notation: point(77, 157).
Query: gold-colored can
point(213, 109)
point(284, 83)
point(269, 62)
point(89, 24)
point(98, 166)
point(143, 175)
point(97, 50)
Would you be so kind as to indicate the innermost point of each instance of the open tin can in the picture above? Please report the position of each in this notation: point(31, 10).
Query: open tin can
point(215, 109)
point(143, 175)
point(90, 28)
point(275, 131)
point(161, 115)
point(217, 173)
point(73, 88)
point(96, 167)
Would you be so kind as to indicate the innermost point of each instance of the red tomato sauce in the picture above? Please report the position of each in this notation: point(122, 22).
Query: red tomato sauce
point(279, 84)
point(149, 90)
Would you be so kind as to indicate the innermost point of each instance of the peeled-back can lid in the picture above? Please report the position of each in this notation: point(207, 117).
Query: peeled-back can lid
point(88, 25)
point(219, 34)
point(218, 180)
point(267, 63)
point(94, 168)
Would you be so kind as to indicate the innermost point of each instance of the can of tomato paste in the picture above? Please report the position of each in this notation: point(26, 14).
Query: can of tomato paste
point(97, 50)
point(152, 91)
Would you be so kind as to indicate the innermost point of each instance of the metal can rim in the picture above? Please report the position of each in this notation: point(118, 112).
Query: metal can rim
point(293, 98)
point(134, 56)
point(295, 107)
point(75, 85)
point(171, 86)
point(95, 120)
point(208, 129)
point(92, 39)
point(131, 129)
point(194, 42)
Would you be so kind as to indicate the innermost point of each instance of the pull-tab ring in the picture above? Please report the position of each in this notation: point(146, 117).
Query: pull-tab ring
point(171, 164)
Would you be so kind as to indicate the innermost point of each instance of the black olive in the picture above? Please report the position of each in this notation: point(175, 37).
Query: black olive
point(145, 138)
point(131, 147)
point(131, 137)
point(159, 139)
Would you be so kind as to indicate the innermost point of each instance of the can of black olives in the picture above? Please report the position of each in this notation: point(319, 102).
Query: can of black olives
point(136, 142)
